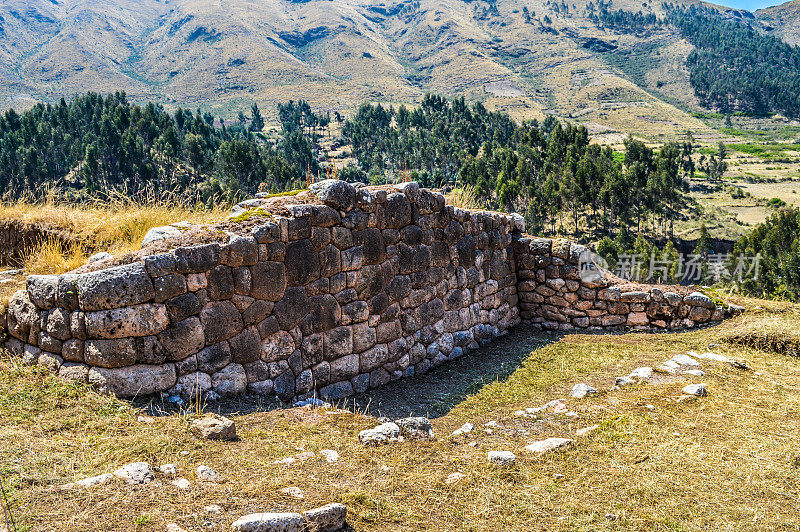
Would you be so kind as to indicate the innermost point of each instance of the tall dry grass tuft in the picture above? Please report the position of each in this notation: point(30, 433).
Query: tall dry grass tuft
point(116, 224)
point(465, 197)
point(766, 333)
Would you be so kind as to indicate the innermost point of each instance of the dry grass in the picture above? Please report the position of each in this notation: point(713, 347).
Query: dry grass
point(465, 197)
point(726, 462)
point(766, 333)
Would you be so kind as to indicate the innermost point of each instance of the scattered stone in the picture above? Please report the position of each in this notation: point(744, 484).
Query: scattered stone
point(213, 509)
point(642, 373)
point(168, 469)
point(698, 390)
point(415, 428)
point(312, 402)
point(739, 365)
point(711, 356)
point(207, 474)
point(383, 433)
point(181, 483)
point(135, 473)
point(328, 518)
point(623, 381)
point(160, 233)
point(269, 522)
point(501, 458)
point(581, 390)
point(550, 444)
point(145, 419)
point(454, 478)
point(289, 460)
point(558, 476)
point(684, 360)
point(214, 427)
point(686, 399)
point(650, 407)
point(465, 429)
point(586, 431)
point(172, 527)
point(294, 492)
point(330, 455)
point(98, 480)
point(695, 372)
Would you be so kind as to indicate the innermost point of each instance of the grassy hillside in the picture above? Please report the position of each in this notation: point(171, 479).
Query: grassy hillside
point(726, 461)
point(224, 56)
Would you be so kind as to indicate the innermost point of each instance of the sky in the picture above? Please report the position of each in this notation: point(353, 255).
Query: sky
point(750, 5)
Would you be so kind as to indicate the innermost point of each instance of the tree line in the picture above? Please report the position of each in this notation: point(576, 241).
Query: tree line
point(549, 171)
point(96, 144)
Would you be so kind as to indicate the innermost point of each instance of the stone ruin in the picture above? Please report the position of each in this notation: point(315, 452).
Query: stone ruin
point(327, 293)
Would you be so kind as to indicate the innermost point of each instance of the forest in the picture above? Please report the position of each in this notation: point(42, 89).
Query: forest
point(548, 171)
point(734, 67)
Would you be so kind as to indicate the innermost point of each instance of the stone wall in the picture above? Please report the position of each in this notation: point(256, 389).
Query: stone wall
point(330, 292)
point(560, 287)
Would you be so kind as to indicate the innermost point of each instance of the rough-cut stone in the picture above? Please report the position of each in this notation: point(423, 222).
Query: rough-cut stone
point(214, 428)
point(135, 380)
point(115, 287)
point(415, 428)
point(335, 193)
point(698, 390)
point(137, 320)
point(135, 473)
point(328, 518)
point(231, 380)
point(501, 458)
point(269, 522)
point(383, 433)
point(110, 353)
point(550, 444)
point(221, 320)
point(581, 390)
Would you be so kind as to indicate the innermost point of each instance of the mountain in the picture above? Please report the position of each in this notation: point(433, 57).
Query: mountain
point(785, 19)
point(526, 57)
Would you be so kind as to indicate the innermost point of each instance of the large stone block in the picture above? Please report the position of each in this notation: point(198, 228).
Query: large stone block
point(214, 357)
point(245, 346)
point(110, 353)
point(304, 262)
point(397, 210)
point(42, 290)
point(221, 320)
point(344, 368)
point(133, 381)
point(196, 259)
point(169, 286)
point(219, 283)
point(137, 320)
point(335, 193)
point(292, 308)
point(278, 346)
point(182, 339)
point(115, 287)
point(269, 281)
point(231, 380)
point(337, 342)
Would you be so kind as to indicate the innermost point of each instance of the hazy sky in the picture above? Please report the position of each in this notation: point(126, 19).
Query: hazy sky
point(750, 5)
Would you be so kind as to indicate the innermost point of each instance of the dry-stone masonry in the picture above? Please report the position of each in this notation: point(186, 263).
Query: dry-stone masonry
point(330, 292)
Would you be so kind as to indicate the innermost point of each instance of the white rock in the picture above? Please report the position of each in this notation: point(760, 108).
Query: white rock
point(695, 372)
point(173, 527)
point(168, 469)
point(453, 478)
point(685, 360)
point(501, 457)
point(181, 483)
point(550, 444)
point(269, 522)
point(713, 356)
point(98, 480)
point(328, 518)
point(208, 474)
point(135, 473)
point(643, 373)
point(330, 455)
point(698, 390)
point(581, 390)
point(586, 430)
point(623, 381)
point(97, 257)
point(289, 460)
point(293, 491)
point(160, 233)
point(670, 364)
point(465, 429)
point(212, 427)
point(383, 433)
point(666, 369)
point(213, 509)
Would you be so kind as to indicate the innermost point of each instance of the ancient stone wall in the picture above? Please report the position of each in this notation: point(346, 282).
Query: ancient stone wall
point(329, 293)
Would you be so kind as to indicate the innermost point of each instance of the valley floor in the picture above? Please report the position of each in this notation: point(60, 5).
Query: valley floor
point(728, 461)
